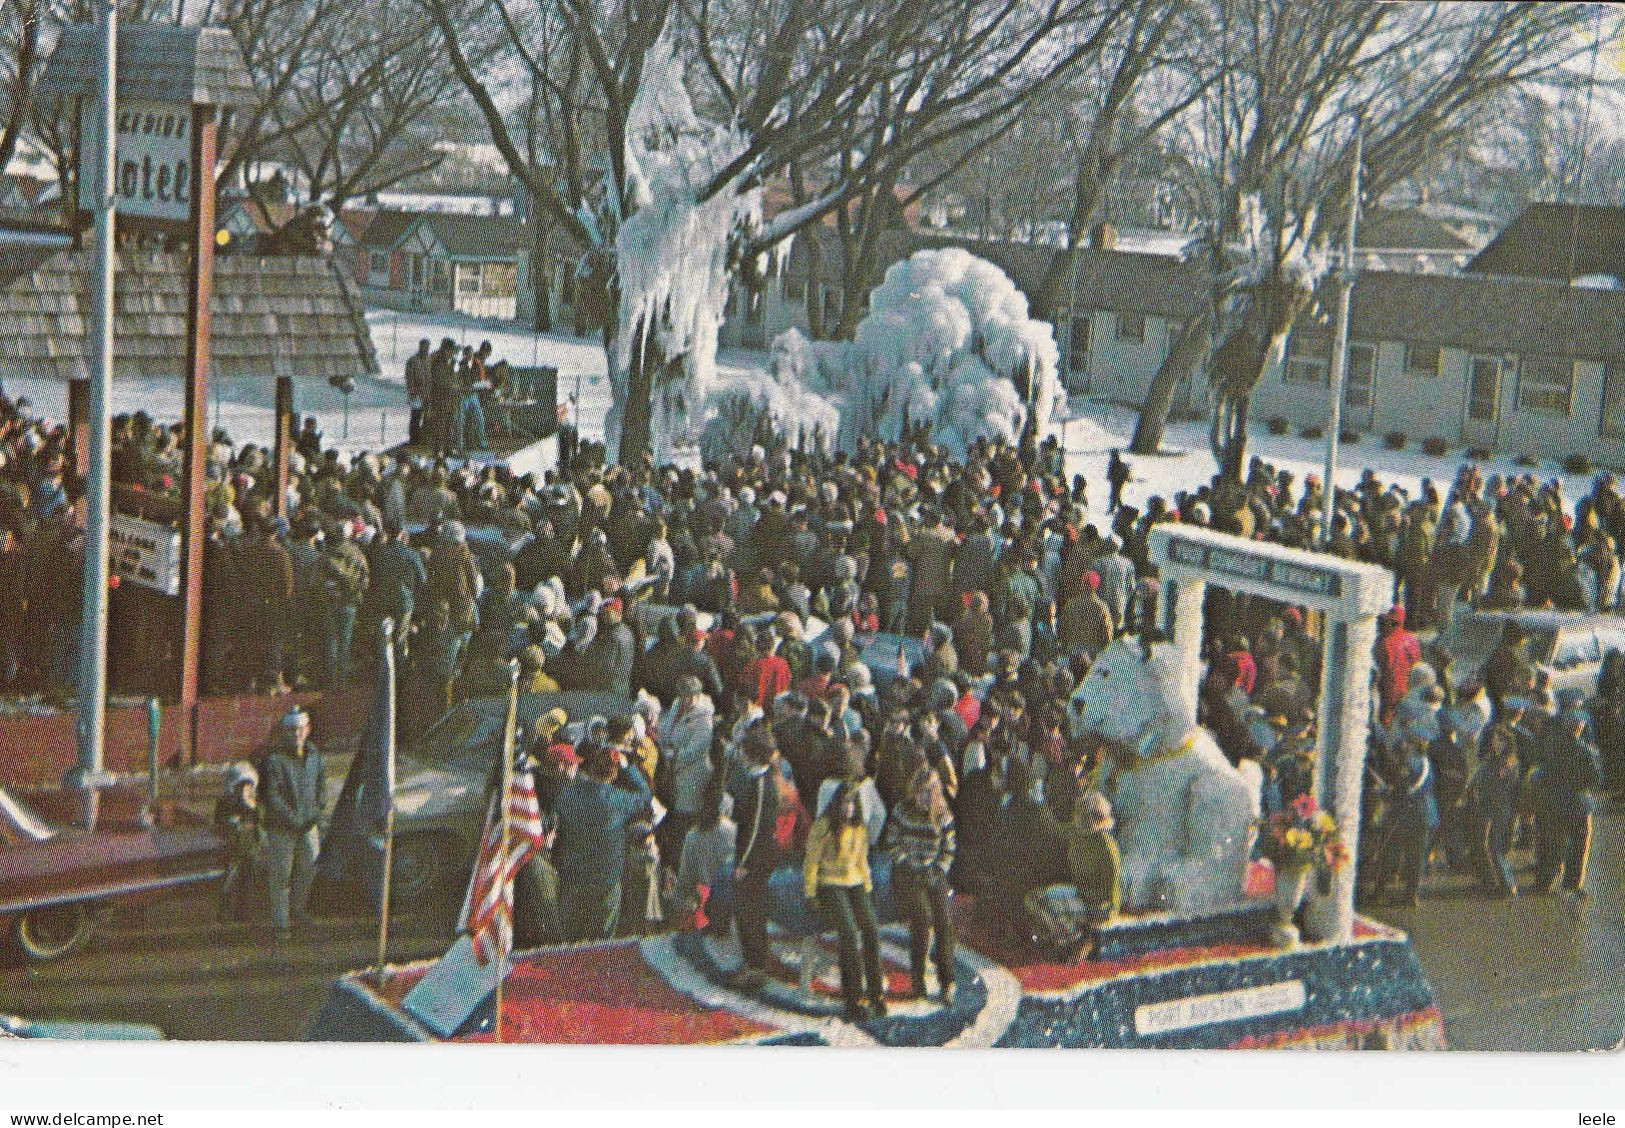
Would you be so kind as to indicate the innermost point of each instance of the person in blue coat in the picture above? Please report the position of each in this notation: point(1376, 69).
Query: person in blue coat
point(1566, 786)
point(1413, 816)
point(594, 818)
point(1492, 806)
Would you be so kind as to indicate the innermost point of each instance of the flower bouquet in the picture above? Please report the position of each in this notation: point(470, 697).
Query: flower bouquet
point(1303, 836)
point(1300, 842)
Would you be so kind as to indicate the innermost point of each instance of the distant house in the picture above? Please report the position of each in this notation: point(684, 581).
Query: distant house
point(22, 195)
point(348, 251)
point(384, 275)
point(1410, 240)
point(1574, 243)
point(1523, 366)
point(248, 221)
point(469, 264)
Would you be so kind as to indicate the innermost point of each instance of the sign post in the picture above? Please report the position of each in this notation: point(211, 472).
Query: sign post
point(199, 288)
point(155, 165)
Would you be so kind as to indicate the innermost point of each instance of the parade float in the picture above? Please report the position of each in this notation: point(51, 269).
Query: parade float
point(1216, 948)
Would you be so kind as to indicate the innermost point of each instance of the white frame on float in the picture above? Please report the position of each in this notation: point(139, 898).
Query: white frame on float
point(1351, 596)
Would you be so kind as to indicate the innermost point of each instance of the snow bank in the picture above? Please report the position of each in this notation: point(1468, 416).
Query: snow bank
point(948, 341)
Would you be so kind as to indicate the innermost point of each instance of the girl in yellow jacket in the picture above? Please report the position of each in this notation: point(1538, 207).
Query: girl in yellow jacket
point(836, 878)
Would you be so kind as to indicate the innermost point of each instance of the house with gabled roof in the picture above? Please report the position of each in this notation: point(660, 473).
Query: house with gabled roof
point(445, 262)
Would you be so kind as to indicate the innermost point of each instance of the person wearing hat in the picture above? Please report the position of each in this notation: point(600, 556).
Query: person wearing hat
point(555, 757)
point(295, 791)
point(1492, 810)
point(595, 822)
point(1397, 651)
point(1566, 787)
point(346, 576)
point(237, 820)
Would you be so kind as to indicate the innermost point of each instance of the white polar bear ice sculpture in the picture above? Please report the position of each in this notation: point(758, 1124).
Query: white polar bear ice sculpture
point(1183, 812)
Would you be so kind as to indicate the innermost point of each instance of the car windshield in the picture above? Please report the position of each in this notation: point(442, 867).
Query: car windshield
point(456, 735)
point(19, 823)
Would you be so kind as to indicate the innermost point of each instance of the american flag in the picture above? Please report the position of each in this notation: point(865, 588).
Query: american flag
point(488, 909)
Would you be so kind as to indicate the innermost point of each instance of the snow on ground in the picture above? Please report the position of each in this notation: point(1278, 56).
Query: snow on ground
point(1097, 428)
point(396, 335)
point(378, 412)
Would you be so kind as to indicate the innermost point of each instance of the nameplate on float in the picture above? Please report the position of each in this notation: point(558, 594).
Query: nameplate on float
point(1224, 1006)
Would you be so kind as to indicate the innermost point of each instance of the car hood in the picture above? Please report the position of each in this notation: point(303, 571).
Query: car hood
point(428, 792)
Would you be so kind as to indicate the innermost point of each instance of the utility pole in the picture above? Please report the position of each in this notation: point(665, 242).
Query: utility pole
point(92, 729)
point(1340, 344)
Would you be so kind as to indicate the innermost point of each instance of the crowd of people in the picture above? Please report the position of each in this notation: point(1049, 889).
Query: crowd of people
point(751, 737)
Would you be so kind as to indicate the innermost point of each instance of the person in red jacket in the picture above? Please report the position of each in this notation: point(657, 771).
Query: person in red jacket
point(1397, 651)
point(767, 675)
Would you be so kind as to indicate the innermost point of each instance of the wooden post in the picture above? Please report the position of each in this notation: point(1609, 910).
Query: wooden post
point(284, 441)
point(200, 287)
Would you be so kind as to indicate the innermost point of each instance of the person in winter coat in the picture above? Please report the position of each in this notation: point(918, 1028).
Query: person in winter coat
point(1566, 786)
point(1086, 621)
point(920, 838)
point(1397, 651)
point(294, 791)
point(975, 560)
point(268, 571)
point(1492, 804)
point(454, 579)
point(595, 818)
point(708, 858)
point(836, 877)
point(973, 635)
point(1412, 818)
point(931, 554)
point(607, 660)
point(686, 729)
point(756, 799)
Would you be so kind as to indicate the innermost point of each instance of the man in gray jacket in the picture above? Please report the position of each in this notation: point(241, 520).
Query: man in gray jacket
point(293, 790)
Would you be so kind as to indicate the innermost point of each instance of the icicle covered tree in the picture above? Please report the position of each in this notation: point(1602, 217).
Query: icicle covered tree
point(644, 132)
point(948, 342)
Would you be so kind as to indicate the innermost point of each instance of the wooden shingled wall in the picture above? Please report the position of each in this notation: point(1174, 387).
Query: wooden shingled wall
point(274, 316)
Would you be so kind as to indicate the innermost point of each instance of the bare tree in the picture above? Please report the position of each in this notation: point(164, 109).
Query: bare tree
point(1272, 145)
point(841, 95)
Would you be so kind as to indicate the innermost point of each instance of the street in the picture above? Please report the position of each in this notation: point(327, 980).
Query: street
point(1534, 973)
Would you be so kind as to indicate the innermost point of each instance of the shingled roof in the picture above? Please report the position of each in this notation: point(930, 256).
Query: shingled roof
point(162, 62)
point(1490, 315)
point(274, 316)
point(1564, 241)
point(477, 236)
point(386, 227)
point(1155, 285)
point(1406, 229)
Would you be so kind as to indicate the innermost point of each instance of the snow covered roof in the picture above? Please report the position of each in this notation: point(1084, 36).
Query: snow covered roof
point(1560, 241)
point(277, 316)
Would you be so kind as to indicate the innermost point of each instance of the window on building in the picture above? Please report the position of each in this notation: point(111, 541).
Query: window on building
point(1308, 357)
point(500, 279)
point(1613, 401)
point(415, 271)
point(468, 278)
point(439, 276)
point(795, 290)
point(1546, 385)
point(378, 263)
point(1131, 327)
point(1422, 360)
point(1077, 352)
point(1362, 374)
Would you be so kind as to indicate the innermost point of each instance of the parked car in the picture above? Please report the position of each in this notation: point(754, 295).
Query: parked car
point(55, 879)
point(442, 785)
point(1567, 644)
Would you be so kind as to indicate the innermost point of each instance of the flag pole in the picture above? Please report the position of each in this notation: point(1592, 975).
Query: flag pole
point(505, 890)
point(386, 671)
